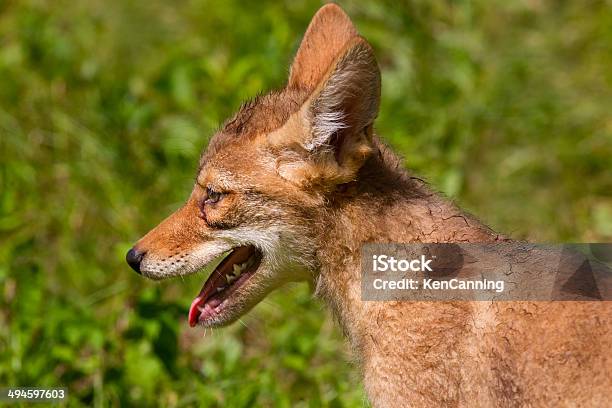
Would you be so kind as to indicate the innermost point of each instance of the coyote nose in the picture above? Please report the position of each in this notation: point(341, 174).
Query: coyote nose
point(133, 258)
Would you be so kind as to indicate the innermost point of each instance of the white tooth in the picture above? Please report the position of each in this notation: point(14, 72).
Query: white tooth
point(230, 278)
point(219, 289)
point(237, 270)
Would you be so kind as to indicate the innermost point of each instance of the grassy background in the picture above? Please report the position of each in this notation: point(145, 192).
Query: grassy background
point(105, 106)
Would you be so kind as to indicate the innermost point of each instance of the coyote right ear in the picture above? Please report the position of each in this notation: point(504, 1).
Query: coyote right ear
point(327, 141)
point(327, 35)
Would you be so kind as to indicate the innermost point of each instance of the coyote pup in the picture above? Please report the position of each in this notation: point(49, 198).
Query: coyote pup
point(297, 181)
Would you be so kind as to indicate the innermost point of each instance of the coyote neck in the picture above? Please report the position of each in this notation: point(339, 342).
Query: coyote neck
point(388, 205)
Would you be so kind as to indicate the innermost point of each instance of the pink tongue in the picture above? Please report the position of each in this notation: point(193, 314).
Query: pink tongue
point(199, 305)
point(194, 311)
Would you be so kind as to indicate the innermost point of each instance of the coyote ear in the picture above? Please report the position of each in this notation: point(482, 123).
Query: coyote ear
point(327, 34)
point(346, 103)
point(332, 132)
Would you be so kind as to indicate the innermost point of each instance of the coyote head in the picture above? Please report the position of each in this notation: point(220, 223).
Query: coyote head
point(267, 178)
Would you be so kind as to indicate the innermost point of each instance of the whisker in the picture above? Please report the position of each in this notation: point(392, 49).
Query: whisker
point(244, 324)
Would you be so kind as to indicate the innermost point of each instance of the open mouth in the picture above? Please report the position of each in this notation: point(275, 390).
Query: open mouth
point(232, 272)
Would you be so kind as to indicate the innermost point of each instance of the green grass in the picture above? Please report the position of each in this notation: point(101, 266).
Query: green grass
point(106, 105)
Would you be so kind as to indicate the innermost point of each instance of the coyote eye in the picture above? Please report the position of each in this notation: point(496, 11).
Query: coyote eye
point(212, 196)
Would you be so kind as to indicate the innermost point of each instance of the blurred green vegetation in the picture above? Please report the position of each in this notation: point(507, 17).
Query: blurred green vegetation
point(105, 106)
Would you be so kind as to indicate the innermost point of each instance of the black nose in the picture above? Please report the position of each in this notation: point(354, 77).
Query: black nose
point(133, 258)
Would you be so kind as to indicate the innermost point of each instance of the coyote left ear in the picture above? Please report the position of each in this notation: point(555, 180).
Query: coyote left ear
point(332, 133)
point(346, 102)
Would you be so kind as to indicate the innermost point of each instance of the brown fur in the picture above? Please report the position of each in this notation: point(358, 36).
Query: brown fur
point(307, 182)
